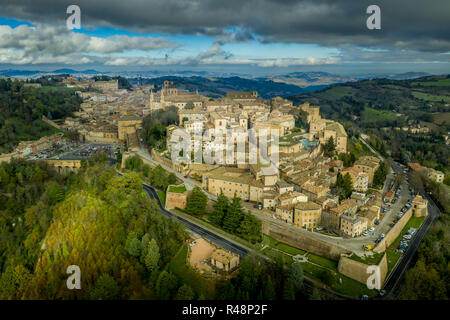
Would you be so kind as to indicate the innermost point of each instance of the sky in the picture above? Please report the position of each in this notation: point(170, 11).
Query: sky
point(259, 37)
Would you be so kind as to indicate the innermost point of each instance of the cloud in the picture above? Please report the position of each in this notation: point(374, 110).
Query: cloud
point(52, 44)
point(406, 24)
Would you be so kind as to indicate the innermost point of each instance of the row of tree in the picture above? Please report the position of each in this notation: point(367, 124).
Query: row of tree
point(231, 217)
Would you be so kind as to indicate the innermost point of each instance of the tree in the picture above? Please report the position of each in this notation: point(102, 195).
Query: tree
point(296, 274)
point(250, 228)
point(220, 209)
point(185, 293)
point(344, 186)
point(196, 202)
point(326, 277)
point(106, 288)
point(269, 290)
point(134, 247)
point(288, 289)
point(152, 257)
point(165, 285)
point(314, 295)
point(329, 147)
point(13, 282)
point(159, 178)
point(234, 215)
point(380, 174)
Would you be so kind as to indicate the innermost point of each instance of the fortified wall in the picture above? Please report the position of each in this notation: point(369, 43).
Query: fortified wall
point(358, 270)
point(418, 209)
point(176, 199)
point(302, 241)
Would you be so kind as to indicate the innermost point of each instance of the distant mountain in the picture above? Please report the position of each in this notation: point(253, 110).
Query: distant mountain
point(34, 73)
point(307, 79)
point(72, 71)
point(219, 86)
point(407, 75)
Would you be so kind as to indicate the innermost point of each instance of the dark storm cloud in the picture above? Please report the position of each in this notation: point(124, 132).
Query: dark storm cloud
point(406, 24)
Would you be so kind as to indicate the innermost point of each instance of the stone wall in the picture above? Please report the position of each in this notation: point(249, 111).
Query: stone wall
point(167, 162)
point(358, 270)
point(6, 157)
point(52, 123)
point(393, 232)
point(302, 241)
point(175, 199)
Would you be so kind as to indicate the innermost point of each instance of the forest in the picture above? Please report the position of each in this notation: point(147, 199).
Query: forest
point(377, 106)
point(107, 225)
point(21, 110)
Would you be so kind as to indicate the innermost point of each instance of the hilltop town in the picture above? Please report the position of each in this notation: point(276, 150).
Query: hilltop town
point(311, 200)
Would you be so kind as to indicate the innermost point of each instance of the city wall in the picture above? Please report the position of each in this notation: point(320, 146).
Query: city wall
point(52, 123)
point(393, 232)
point(358, 270)
point(167, 162)
point(176, 199)
point(302, 241)
point(6, 157)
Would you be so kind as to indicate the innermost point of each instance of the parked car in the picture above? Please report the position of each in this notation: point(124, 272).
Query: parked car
point(382, 235)
point(371, 229)
point(365, 233)
point(258, 206)
point(377, 222)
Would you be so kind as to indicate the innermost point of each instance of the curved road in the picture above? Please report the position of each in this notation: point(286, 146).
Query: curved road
point(205, 233)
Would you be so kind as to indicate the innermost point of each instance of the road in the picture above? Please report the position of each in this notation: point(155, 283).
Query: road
point(219, 240)
point(405, 261)
point(227, 244)
point(354, 244)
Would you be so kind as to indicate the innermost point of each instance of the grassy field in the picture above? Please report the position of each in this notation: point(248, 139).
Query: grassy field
point(358, 148)
point(441, 117)
point(429, 97)
point(162, 196)
point(373, 115)
point(413, 222)
point(375, 258)
point(291, 139)
point(338, 92)
point(441, 82)
point(177, 189)
point(202, 286)
point(341, 284)
point(392, 258)
point(272, 243)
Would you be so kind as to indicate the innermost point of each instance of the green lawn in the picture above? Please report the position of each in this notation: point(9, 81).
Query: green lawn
point(429, 97)
point(271, 242)
point(200, 285)
point(291, 139)
point(349, 287)
point(375, 258)
point(413, 222)
point(177, 189)
point(331, 264)
point(162, 196)
point(373, 115)
point(441, 82)
point(392, 258)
